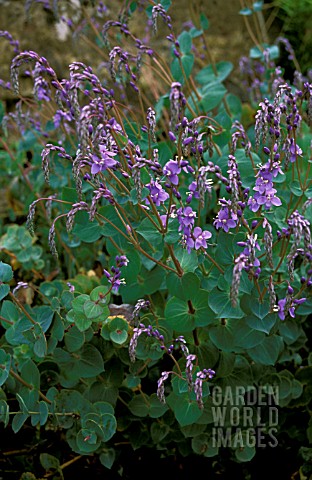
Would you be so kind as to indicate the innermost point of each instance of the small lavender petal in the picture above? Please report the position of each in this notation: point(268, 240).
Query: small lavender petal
point(30, 218)
point(189, 369)
point(240, 262)
point(51, 241)
point(161, 387)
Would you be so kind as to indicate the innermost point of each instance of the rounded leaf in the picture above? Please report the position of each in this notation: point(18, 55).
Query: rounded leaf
point(107, 458)
point(93, 310)
point(4, 290)
point(74, 339)
point(159, 431)
point(90, 362)
point(5, 363)
point(220, 302)
point(267, 352)
point(138, 406)
point(119, 336)
point(6, 272)
point(245, 454)
point(185, 410)
point(87, 441)
point(109, 426)
point(204, 445)
point(99, 294)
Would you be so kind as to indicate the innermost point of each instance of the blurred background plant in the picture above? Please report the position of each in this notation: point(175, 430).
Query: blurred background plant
point(116, 159)
point(293, 19)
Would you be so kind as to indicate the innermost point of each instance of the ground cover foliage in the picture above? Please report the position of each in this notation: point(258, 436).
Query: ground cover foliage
point(156, 255)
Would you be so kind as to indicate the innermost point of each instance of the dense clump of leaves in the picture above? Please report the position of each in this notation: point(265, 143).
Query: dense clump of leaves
point(180, 248)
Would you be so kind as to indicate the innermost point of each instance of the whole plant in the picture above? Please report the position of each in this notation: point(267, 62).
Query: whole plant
point(179, 255)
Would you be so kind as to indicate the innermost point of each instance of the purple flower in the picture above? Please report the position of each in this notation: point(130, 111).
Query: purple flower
point(161, 387)
point(71, 287)
point(8, 36)
point(196, 239)
point(281, 309)
point(106, 161)
point(253, 204)
point(193, 190)
point(225, 219)
point(287, 306)
point(251, 245)
point(157, 193)
point(172, 170)
point(60, 116)
point(188, 140)
point(41, 89)
point(121, 260)
point(163, 219)
point(114, 125)
point(172, 136)
point(186, 218)
point(268, 200)
point(275, 169)
point(265, 193)
point(201, 237)
point(201, 376)
point(294, 150)
point(188, 241)
point(240, 263)
point(114, 276)
point(18, 286)
point(263, 185)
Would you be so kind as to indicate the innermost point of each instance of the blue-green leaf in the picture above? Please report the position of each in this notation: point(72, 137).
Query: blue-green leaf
point(204, 22)
point(6, 272)
point(4, 290)
point(185, 410)
point(267, 352)
point(185, 41)
point(208, 75)
point(220, 302)
point(5, 363)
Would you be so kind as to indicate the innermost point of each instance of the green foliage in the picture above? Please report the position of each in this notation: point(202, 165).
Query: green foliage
point(134, 327)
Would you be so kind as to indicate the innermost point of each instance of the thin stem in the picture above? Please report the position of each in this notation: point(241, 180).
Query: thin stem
point(154, 260)
point(120, 250)
point(149, 217)
point(135, 243)
point(284, 248)
point(212, 260)
point(176, 364)
point(27, 385)
point(168, 75)
point(187, 83)
point(271, 18)
point(175, 261)
point(123, 221)
point(249, 29)
point(64, 465)
point(21, 306)
point(144, 396)
point(122, 401)
point(210, 56)
point(289, 204)
point(262, 26)
point(5, 320)
point(166, 78)
point(92, 24)
point(140, 370)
